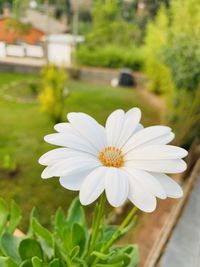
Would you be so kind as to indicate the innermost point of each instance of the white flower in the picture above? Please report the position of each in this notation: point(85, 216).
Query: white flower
point(124, 159)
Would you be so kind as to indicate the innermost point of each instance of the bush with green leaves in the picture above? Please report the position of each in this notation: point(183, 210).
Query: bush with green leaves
point(111, 56)
point(172, 41)
point(172, 52)
point(69, 243)
point(53, 92)
point(8, 164)
point(104, 46)
point(184, 117)
point(182, 57)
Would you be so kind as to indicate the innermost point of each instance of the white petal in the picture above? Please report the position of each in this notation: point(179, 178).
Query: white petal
point(139, 127)
point(70, 166)
point(65, 127)
point(89, 128)
point(141, 197)
point(156, 152)
point(172, 188)
point(145, 135)
point(71, 141)
point(166, 166)
point(130, 125)
point(162, 140)
point(116, 184)
point(114, 125)
point(149, 182)
point(57, 154)
point(93, 186)
point(74, 182)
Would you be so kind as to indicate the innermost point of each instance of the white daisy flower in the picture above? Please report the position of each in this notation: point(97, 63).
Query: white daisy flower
point(125, 159)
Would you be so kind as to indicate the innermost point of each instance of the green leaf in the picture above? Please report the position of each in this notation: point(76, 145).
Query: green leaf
point(118, 264)
point(74, 252)
point(81, 262)
point(76, 213)
point(108, 231)
point(54, 263)
point(29, 248)
point(15, 217)
point(133, 251)
point(34, 214)
point(119, 256)
point(78, 237)
point(129, 226)
point(100, 255)
point(3, 214)
point(36, 262)
point(10, 244)
point(7, 262)
point(59, 221)
point(26, 263)
point(42, 232)
point(67, 238)
point(129, 255)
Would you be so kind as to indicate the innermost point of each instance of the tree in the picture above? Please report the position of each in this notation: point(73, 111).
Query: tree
point(172, 50)
point(108, 24)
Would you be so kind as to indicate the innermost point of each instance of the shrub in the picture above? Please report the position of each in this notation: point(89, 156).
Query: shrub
point(110, 56)
point(160, 82)
point(172, 51)
point(8, 164)
point(157, 72)
point(64, 245)
point(184, 116)
point(182, 56)
point(53, 91)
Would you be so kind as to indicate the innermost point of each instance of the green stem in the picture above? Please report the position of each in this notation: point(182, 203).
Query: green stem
point(98, 215)
point(116, 234)
point(68, 260)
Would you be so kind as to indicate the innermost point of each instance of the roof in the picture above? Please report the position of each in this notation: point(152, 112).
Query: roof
point(10, 36)
point(45, 23)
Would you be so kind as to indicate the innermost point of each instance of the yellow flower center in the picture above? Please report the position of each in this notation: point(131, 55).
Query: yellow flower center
point(111, 156)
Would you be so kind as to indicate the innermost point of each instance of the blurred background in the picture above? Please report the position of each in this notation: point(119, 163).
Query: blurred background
point(93, 56)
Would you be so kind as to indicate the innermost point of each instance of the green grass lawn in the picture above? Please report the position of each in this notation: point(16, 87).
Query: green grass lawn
point(21, 135)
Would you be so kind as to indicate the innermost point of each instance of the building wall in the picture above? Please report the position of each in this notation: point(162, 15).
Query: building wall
point(59, 54)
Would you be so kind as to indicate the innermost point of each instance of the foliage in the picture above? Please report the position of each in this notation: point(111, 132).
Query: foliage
point(105, 46)
point(111, 56)
point(19, 8)
point(171, 40)
point(155, 38)
point(67, 244)
point(172, 51)
point(153, 6)
point(8, 164)
point(182, 57)
point(13, 24)
point(184, 117)
point(52, 96)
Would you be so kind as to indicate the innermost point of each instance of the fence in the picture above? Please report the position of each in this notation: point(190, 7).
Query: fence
point(21, 51)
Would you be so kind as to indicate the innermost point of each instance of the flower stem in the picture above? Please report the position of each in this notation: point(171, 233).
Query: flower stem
point(116, 234)
point(97, 218)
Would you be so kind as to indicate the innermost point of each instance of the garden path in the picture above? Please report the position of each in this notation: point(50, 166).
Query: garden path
point(183, 248)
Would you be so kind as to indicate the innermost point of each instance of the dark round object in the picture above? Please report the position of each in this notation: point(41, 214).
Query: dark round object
point(126, 78)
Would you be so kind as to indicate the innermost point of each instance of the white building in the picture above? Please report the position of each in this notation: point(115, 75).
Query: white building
point(60, 48)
